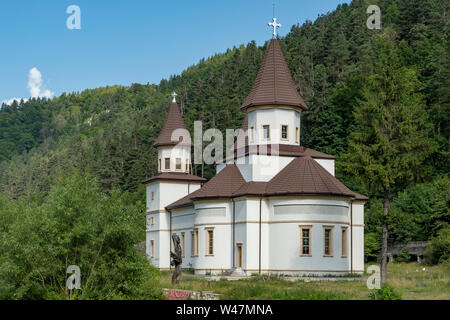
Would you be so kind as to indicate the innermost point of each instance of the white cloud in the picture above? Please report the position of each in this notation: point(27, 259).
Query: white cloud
point(35, 87)
point(35, 84)
point(11, 101)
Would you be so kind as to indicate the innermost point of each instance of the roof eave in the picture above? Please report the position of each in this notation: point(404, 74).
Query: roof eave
point(260, 104)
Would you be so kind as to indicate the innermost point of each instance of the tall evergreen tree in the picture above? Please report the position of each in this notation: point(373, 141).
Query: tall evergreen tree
point(391, 139)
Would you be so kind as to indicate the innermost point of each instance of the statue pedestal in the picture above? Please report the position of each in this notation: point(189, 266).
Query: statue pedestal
point(238, 272)
point(175, 294)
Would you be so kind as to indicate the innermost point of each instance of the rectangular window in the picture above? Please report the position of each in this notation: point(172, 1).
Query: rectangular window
point(178, 164)
point(297, 135)
point(266, 132)
point(252, 134)
point(167, 163)
point(153, 195)
point(328, 241)
point(152, 248)
point(209, 242)
point(194, 243)
point(284, 132)
point(182, 244)
point(344, 241)
point(239, 255)
point(152, 220)
point(305, 241)
point(187, 165)
point(159, 164)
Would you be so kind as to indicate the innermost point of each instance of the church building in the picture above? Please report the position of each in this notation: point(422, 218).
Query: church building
point(275, 206)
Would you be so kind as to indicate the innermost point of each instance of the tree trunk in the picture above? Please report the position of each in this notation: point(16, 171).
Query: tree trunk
point(384, 238)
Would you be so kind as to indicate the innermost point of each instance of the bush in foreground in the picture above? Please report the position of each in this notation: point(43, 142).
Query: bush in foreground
point(75, 224)
point(386, 292)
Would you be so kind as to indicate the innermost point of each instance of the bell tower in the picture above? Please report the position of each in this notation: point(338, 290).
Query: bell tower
point(174, 142)
point(274, 106)
point(172, 182)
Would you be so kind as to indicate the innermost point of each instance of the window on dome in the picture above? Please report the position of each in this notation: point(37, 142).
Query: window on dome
point(284, 132)
point(344, 241)
point(167, 163)
point(194, 243)
point(209, 242)
point(328, 241)
point(182, 244)
point(305, 241)
point(266, 132)
point(152, 248)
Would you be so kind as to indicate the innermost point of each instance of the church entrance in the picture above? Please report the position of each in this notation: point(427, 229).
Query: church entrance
point(239, 255)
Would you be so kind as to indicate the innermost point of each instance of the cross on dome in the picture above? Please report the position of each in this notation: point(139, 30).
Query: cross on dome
point(174, 95)
point(274, 25)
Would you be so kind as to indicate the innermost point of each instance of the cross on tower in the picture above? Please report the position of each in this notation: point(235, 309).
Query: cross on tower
point(174, 95)
point(274, 25)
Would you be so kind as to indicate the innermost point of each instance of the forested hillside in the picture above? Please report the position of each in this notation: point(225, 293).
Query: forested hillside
point(106, 134)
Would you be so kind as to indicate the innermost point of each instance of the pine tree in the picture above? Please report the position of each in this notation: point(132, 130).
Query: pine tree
point(391, 139)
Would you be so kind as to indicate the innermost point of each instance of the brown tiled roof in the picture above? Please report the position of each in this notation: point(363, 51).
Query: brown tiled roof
point(224, 184)
point(360, 197)
point(173, 121)
point(255, 188)
point(283, 150)
point(221, 185)
point(305, 176)
point(273, 84)
point(302, 176)
point(183, 202)
point(175, 176)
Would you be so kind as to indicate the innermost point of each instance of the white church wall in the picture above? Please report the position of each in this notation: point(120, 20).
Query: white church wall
point(358, 236)
point(215, 216)
point(245, 168)
point(265, 167)
point(328, 164)
point(173, 152)
point(183, 222)
point(165, 193)
point(287, 216)
point(160, 238)
point(274, 117)
point(241, 230)
point(252, 235)
point(172, 191)
point(154, 204)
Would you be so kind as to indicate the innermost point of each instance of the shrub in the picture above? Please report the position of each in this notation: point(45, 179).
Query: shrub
point(438, 249)
point(371, 246)
point(76, 223)
point(403, 256)
point(386, 292)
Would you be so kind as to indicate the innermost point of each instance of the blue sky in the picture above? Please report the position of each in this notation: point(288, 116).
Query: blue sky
point(133, 41)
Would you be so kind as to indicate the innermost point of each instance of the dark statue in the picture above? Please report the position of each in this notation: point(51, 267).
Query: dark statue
point(176, 259)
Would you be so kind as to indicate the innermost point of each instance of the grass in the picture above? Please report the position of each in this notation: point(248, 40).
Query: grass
point(407, 278)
